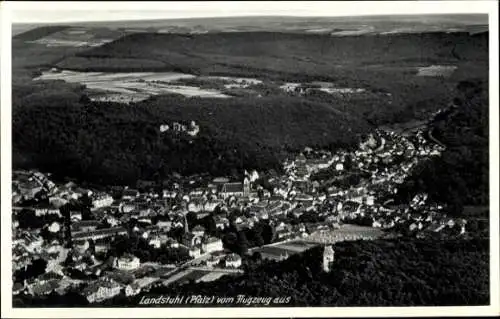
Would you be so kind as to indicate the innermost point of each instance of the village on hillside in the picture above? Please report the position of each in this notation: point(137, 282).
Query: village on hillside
point(105, 241)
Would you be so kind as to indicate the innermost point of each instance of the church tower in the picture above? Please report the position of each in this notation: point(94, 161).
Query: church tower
point(246, 184)
point(186, 226)
point(328, 258)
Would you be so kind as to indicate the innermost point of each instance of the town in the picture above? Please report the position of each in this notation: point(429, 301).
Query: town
point(104, 241)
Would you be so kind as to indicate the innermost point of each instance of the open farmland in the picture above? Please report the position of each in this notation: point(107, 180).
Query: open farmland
point(129, 87)
point(436, 70)
point(74, 36)
point(345, 233)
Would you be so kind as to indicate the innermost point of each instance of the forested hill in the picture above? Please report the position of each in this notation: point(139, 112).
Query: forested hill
point(402, 272)
point(310, 54)
point(461, 175)
point(114, 143)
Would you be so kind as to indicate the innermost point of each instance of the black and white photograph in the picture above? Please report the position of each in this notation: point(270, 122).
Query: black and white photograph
point(231, 157)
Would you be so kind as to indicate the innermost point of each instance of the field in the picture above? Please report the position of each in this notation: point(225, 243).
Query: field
point(283, 250)
point(436, 70)
point(189, 275)
point(129, 87)
point(345, 233)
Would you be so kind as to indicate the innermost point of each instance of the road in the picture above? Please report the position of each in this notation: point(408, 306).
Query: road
point(435, 140)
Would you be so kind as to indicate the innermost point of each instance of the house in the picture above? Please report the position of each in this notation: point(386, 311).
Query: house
point(171, 194)
point(198, 230)
point(284, 233)
point(80, 191)
point(132, 289)
point(81, 246)
point(48, 276)
point(233, 261)
point(197, 192)
point(195, 206)
point(102, 200)
point(85, 225)
point(195, 252)
point(351, 207)
point(42, 210)
point(127, 262)
point(57, 201)
point(191, 240)
point(155, 241)
point(130, 194)
point(54, 227)
point(211, 244)
point(210, 206)
point(75, 216)
point(102, 247)
point(172, 243)
point(139, 284)
point(369, 200)
point(99, 233)
point(128, 207)
point(221, 222)
point(165, 224)
point(112, 221)
point(101, 290)
point(213, 261)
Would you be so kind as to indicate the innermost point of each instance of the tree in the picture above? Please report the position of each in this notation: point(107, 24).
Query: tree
point(267, 233)
point(86, 205)
point(65, 211)
point(92, 246)
point(209, 223)
point(192, 219)
point(242, 243)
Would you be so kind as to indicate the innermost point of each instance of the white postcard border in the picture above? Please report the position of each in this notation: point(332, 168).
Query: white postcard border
point(234, 8)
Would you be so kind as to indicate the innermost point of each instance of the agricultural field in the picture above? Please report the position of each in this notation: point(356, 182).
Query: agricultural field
point(283, 250)
point(345, 233)
point(436, 70)
point(79, 37)
point(131, 87)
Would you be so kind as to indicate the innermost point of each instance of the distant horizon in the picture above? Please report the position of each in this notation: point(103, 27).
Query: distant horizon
point(86, 12)
point(444, 15)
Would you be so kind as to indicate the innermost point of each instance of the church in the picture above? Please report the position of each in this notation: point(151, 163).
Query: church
point(237, 189)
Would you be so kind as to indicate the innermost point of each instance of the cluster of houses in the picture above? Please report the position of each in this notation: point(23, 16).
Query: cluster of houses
point(296, 203)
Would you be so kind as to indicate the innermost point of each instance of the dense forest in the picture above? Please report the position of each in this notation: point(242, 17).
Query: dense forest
point(461, 175)
point(365, 273)
point(115, 143)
